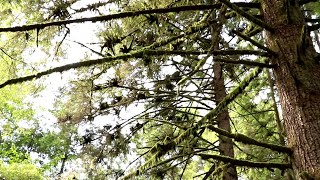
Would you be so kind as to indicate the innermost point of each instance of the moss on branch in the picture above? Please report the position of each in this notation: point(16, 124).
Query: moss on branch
point(251, 18)
point(135, 54)
point(247, 140)
point(158, 152)
point(121, 15)
point(245, 163)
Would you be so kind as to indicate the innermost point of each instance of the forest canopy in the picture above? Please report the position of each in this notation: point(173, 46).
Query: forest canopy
point(172, 89)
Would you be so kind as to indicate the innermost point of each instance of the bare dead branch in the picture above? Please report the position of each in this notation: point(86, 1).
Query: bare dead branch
point(245, 62)
point(254, 42)
point(92, 50)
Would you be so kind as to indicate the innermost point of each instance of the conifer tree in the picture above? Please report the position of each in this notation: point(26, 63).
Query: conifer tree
point(192, 67)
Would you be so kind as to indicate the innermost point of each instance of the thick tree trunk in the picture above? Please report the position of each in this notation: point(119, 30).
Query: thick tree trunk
point(225, 144)
point(298, 82)
point(282, 141)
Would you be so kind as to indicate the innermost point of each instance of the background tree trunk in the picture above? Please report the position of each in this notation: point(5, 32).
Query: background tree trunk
point(298, 81)
point(225, 144)
point(223, 119)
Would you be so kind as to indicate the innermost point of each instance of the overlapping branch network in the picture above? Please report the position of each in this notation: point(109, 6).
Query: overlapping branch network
point(159, 149)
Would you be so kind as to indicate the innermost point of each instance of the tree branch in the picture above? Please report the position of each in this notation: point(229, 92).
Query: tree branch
point(237, 162)
point(223, 104)
point(137, 54)
point(109, 17)
point(302, 2)
point(247, 140)
point(312, 20)
point(245, 62)
point(64, 159)
point(314, 27)
point(123, 15)
point(247, 16)
point(254, 42)
point(215, 53)
point(93, 6)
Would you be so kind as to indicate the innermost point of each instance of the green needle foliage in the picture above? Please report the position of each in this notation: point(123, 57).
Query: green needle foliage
point(133, 89)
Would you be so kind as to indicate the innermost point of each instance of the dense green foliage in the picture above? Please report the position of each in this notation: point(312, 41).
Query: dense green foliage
point(143, 108)
point(20, 171)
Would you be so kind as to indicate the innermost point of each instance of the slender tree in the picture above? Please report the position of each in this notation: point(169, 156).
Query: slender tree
point(158, 53)
point(225, 144)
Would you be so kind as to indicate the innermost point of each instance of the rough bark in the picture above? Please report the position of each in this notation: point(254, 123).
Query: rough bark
point(297, 78)
point(279, 123)
point(225, 144)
